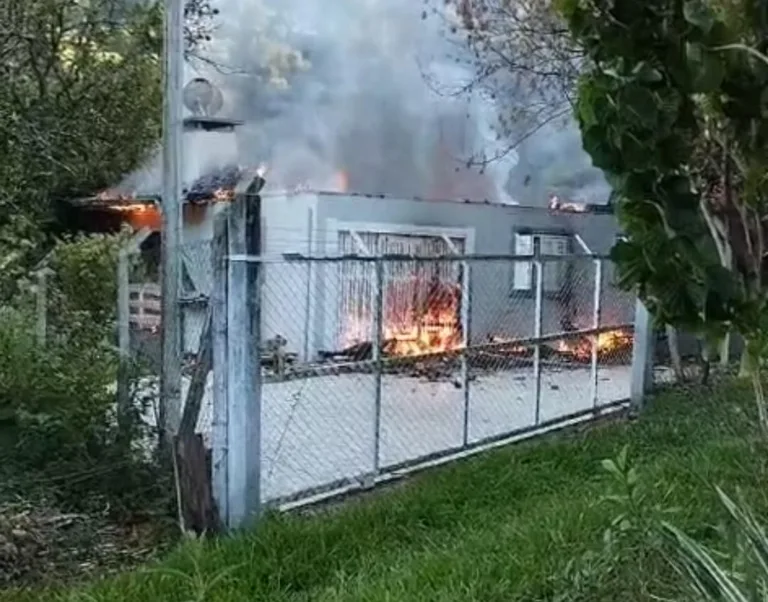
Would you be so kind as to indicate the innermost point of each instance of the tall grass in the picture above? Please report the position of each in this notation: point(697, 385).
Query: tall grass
point(539, 521)
point(740, 573)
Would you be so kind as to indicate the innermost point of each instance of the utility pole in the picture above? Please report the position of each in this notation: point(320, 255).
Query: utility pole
point(170, 385)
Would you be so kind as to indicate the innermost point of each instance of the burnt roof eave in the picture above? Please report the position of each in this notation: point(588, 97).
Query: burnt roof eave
point(96, 202)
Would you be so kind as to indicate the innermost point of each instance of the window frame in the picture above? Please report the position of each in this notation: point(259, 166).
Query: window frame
point(536, 234)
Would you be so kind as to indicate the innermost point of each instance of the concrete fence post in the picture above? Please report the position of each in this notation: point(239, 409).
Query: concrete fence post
point(596, 319)
point(642, 357)
point(538, 272)
point(466, 333)
point(219, 331)
point(378, 366)
point(244, 357)
point(123, 337)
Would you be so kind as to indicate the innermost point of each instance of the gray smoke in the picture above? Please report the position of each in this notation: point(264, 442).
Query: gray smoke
point(376, 104)
point(365, 105)
point(553, 162)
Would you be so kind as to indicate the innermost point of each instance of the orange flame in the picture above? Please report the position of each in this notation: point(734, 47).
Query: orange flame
point(555, 204)
point(607, 342)
point(139, 215)
point(433, 327)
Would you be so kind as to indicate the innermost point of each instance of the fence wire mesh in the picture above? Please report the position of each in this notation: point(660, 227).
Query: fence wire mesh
point(139, 283)
point(373, 364)
point(139, 279)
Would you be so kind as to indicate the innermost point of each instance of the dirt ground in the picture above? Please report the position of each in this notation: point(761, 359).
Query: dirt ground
point(40, 545)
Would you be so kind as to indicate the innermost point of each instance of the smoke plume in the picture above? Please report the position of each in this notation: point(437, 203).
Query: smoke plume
point(362, 96)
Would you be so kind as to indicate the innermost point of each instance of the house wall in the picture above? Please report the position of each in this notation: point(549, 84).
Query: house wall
point(288, 296)
point(300, 299)
point(496, 310)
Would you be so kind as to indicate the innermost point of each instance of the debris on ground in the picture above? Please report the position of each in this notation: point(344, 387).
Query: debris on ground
point(40, 545)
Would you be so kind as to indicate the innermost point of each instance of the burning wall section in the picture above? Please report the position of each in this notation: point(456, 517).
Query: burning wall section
point(434, 309)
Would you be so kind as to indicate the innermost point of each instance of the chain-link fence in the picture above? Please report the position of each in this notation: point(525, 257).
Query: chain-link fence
point(373, 364)
point(141, 317)
point(139, 320)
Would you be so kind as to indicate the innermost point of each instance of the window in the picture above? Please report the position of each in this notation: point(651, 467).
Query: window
point(555, 272)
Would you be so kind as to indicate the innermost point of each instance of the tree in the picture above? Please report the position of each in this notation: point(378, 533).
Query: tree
point(522, 55)
point(80, 104)
point(668, 85)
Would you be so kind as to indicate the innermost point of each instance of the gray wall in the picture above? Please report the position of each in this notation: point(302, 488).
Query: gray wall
point(298, 300)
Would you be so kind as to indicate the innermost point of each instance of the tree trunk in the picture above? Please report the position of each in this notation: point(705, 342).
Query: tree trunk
point(762, 414)
point(706, 362)
point(750, 368)
point(674, 353)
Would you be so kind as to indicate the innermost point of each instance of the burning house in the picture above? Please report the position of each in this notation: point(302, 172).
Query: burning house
point(321, 307)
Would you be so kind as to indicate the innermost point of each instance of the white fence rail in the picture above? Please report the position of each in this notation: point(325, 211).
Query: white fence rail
point(144, 306)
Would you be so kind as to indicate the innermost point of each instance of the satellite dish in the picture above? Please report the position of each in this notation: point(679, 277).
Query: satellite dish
point(202, 98)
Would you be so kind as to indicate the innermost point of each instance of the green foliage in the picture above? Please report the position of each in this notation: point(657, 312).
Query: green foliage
point(664, 80)
point(81, 103)
point(520, 523)
point(58, 399)
point(57, 394)
point(86, 263)
point(79, 108)
point(738, 572)
point(746, 579)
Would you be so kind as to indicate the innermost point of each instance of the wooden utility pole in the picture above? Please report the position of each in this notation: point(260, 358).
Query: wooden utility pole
point(170, 385)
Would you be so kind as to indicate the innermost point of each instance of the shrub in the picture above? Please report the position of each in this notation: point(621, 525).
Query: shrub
point(59, 398)
point(741, 574)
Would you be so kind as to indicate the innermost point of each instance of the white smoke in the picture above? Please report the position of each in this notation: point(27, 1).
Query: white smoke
point(376, 102)
point(367, 104)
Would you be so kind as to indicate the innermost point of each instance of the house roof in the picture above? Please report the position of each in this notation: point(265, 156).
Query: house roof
point(589, 208)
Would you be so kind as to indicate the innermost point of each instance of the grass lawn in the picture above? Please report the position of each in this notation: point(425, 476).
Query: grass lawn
point(520, 523)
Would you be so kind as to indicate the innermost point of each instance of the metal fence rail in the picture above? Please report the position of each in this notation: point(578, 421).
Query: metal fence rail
point(374, 364)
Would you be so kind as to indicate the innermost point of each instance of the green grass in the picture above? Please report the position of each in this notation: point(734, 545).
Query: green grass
point(520, 523)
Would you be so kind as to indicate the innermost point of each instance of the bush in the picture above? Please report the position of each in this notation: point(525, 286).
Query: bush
point(58, 394)
point(58, 399)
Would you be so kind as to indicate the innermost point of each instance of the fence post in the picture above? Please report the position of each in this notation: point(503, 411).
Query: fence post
point(642, 357)
point(378, 319)
point(42, 306)
point(308, 325)
point(123, 336)
point(596, 309)
point(537, 310)
point(466, 319)
point(218, 300)
point(244, 358)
